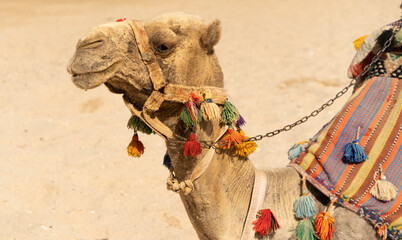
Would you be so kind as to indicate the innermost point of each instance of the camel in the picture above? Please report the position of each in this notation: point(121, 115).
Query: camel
point(184, 50)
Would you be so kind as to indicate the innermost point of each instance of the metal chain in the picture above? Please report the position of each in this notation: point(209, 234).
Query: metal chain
point(209, 144)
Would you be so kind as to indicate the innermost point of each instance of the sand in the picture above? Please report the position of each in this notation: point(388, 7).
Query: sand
point(64, 170)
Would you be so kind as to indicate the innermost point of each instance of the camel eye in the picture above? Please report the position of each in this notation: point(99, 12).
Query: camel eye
point(162, 48)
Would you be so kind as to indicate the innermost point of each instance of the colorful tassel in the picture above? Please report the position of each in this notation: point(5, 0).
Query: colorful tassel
point(325, 224)
point(135, 148)
point(240, 122)
point(384, 190)
point(167, 162)
point(192, 147)
point(209, 110)
point(353, 152)
point(305, 229)
point(138, 125)
point(229, 113)
point(265, 223)
point(296, 149)
point(190, 114)
point(304, 206)
point(359, 42)
point(245, 148)
point(231, 138)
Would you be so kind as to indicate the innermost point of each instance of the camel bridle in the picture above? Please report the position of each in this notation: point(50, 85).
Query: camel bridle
point(162, 89)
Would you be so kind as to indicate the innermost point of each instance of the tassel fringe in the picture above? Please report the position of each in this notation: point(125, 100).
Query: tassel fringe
point(167, 162)
point(324, 224)
point(192, 147)
point(296, 149)
point(265, 223)
point(245, 148)
point(359, 42)
point(305, 229)
point(240, 122)
point(135, 148)
point(231, 138)
point(190, 114)
point(384, 190)
point(209, 110)
point(229, 113)
point(138, 125)
point(353, 152)
point(304, 206)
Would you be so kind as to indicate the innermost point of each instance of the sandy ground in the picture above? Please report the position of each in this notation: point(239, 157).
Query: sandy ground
point(64, 170)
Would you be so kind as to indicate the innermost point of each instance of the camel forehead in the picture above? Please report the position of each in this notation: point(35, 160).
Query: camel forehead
point(112, 29)
point(182, 20)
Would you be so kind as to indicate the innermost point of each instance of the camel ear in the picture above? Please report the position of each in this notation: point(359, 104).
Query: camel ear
point(211, 36)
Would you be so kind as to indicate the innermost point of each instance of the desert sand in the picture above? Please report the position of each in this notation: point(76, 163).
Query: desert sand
point(64, 171)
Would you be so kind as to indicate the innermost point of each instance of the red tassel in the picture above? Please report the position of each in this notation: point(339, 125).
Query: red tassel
point(192, 147)
point(231, 138)
point(120, 19)
point(266, 222)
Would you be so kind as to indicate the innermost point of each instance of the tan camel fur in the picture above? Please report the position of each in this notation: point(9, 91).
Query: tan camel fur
point(183, 46)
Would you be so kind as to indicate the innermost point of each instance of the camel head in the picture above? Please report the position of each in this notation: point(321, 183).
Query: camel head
point(183, 46)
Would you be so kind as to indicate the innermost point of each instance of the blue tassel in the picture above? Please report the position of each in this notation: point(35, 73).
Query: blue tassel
point(304, 206)
point(167, 162)
point(354, 153)
point(295, 150)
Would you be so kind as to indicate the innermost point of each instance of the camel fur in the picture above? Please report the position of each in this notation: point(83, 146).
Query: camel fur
point(184, 47)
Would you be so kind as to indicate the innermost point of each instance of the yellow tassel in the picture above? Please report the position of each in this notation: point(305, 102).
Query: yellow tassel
point(384, 190)
point(245, 148)
point(359, 42)
point(135, 148)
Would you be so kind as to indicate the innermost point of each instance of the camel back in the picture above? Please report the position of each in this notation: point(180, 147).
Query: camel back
point(371, 118)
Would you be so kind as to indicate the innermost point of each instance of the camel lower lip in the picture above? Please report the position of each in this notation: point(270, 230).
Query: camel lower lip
point(91, 80)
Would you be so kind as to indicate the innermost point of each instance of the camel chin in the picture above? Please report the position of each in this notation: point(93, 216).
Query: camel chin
point(92, 80)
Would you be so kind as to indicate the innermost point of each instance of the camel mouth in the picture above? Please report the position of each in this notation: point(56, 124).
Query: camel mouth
point(90, 80)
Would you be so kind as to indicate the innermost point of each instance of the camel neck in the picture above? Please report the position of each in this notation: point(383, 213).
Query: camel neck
point(221, 196)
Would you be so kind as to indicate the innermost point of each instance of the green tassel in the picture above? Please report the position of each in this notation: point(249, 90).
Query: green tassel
point(305, 229)
point(186, 117)
point(138, 125)
point(229, 113)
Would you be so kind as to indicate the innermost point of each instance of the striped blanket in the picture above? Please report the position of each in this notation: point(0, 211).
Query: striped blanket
point(375, 109)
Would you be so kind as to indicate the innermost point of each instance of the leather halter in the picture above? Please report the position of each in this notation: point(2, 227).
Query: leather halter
point(162, 90)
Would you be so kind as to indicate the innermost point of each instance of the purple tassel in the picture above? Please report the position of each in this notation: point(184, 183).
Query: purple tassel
point(240, 122)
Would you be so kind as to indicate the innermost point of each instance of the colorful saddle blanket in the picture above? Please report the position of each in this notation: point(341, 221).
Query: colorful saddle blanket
point(374, 110)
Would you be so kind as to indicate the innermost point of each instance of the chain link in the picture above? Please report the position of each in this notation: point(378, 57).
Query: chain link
point(212, 144)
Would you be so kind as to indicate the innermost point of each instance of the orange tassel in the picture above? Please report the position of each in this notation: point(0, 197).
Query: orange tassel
point(245, 148)
point(266, 222)
point(192, 147)
point(231, 138)
point(135, 148)
point(324, 224)
point(382, 231)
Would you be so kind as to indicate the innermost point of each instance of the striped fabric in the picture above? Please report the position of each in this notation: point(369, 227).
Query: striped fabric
point(375, 108)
